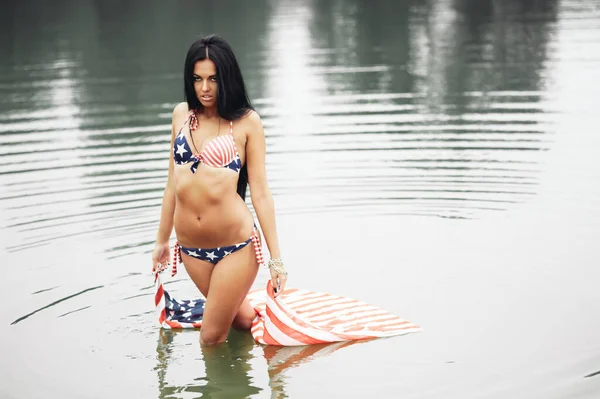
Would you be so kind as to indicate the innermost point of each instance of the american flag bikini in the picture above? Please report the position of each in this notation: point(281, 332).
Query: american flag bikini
point(219, 152)
point(214, 255)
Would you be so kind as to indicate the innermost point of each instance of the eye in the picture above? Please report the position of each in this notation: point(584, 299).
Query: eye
point(213, 79)
point(197, 78)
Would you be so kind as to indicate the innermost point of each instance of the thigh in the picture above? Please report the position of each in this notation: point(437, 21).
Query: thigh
point(230, 281)
point(200, 272)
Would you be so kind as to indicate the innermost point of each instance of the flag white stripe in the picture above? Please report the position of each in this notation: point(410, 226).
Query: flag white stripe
point(278, 335)
point(309, 331)
point(333, 311)
point(341, 320)
point(317, 303)
point(300, 300)
point(364, 309)
point(358, 323)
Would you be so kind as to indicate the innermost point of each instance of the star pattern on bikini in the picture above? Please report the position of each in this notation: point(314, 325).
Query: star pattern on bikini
point(235, 165)
point(180, 136)
point(214, 255)
point(181, 150)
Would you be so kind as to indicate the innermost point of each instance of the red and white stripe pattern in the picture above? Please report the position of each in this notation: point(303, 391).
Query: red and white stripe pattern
point(173, 313)
point(220, 151)
point(302, 317)
point(176, 258)
point(258, 248)
point(281, 358)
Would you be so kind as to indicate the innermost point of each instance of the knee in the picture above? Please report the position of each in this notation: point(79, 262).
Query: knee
point(212, 337)
point(242, 323)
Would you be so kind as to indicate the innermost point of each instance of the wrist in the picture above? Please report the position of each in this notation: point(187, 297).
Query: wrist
point(161, 242)
point(274, 254)
point(276, 264)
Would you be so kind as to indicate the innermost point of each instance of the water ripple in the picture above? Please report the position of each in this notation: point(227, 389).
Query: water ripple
point(412, 160)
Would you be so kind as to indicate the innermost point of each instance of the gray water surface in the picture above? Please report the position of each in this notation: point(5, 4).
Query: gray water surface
point(436, 158)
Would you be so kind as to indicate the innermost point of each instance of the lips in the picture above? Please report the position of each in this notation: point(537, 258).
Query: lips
point(206, 98)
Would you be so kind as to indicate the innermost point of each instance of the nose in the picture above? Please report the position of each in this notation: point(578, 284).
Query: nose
point(205, 85)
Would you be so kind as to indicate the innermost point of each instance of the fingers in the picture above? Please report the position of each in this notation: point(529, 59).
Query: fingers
point(160, 257)
point(275, 283)
point(158, 267)
point(154, 263)
point(282, 281)
point(278, 280)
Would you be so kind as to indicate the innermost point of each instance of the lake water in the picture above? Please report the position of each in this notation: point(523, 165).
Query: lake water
point(438, 159)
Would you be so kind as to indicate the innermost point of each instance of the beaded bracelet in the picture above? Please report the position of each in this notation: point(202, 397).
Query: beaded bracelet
point(277, 265)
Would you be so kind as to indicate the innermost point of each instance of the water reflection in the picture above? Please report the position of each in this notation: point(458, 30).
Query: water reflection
point(282, 358)
point(230, 369)
point(226, 368)
point(445, 107)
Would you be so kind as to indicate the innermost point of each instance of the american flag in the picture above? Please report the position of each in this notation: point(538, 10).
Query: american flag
point(296, 317)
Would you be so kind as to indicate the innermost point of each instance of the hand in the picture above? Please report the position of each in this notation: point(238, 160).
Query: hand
point(278, 275)
point(160, 255)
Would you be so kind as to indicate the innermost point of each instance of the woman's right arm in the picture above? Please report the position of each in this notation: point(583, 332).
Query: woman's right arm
point(161, 249)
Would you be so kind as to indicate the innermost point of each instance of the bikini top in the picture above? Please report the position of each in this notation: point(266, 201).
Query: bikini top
point(219, 152)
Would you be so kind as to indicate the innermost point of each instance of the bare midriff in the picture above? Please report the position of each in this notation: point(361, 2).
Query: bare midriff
point(209, 213)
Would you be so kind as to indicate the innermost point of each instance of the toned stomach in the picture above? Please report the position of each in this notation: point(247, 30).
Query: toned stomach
point(209, 213)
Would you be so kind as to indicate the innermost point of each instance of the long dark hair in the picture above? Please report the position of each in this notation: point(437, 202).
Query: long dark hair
point(232, 98)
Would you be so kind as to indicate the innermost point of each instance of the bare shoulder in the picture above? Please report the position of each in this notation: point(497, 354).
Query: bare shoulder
point(179, 116)
point(180, 110)
point(252, 122)
point(252, 116)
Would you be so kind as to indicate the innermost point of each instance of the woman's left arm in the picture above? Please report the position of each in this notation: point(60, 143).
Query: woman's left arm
point(262, 200)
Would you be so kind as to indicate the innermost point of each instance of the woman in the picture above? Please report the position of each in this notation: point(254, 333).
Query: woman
point(218, 147)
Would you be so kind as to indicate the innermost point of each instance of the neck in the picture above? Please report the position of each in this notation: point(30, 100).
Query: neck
point(210, 113)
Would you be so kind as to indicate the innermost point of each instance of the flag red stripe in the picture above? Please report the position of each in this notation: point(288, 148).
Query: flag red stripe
point(290, 332)
point(159, 295)
point(269, 340)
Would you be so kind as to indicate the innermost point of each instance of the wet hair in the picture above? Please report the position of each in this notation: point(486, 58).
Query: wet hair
point(232, 98)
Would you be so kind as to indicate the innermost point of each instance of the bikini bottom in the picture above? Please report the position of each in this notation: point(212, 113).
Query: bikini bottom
point(215, 255)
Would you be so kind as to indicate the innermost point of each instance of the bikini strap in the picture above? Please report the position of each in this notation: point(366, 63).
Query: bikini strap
point(257, 246)
point(176, 258)
point(193, 120)
point(233, 138)
point(186, 121)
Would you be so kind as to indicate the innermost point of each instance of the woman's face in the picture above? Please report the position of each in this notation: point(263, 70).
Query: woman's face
point(205, 82)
